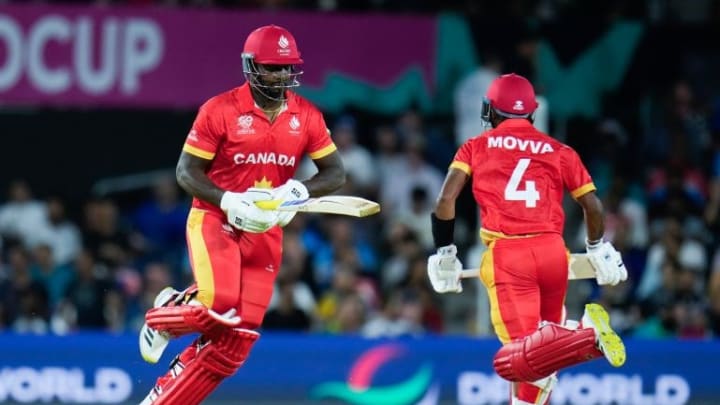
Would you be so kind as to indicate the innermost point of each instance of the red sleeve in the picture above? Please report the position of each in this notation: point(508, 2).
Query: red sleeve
point(205, 136)
point(319, 142)
point(463, 158)
point(575, 175)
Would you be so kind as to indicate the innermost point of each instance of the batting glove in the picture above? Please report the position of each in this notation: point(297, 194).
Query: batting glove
point(243, 214)
point(292, 190)
point(608, 264)
point(444, 270)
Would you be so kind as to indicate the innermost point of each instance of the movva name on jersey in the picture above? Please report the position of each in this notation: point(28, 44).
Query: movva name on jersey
point(524, 145)
point(264, 158)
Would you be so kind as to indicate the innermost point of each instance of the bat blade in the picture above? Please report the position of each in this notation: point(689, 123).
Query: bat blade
point(580, 267)
point(331, 204)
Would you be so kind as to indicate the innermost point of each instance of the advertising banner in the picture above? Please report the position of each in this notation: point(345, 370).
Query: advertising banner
point(306, 369)
point(142, 57)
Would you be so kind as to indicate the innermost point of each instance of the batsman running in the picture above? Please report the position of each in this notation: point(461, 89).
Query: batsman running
point(244, 146)
point(519, 176)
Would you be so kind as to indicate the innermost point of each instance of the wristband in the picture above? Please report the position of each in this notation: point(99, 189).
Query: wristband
point(593, 243)
point(442, 230)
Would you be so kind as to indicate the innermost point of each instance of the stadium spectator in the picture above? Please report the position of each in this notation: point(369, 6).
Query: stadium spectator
point(56, 278)
point(401, 247)
point(294, 266)
point(22, 217)
point(346, 282)
point(63, 237)
point(350, 316)
point(103, 234)
point(85, 303)
point(356, 158)
point(417, 218)
point(286, 315)
point(401, 315)
point(25, 300)
point(160, 220)
point(388, 151)
point(343, 245)
point(430, 307)
point(413, 171)
point(469, 95)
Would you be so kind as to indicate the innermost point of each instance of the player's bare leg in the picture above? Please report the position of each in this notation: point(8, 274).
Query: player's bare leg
point(553, 347)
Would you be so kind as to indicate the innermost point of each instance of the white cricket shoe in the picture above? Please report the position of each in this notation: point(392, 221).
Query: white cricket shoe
point(608, 341)
point(152, 342)
point(150, 398)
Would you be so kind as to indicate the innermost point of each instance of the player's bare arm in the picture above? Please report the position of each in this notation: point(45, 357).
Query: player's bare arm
point(330, 175)
point(444, 268)
point(603, 256)
point(452, 186)
point(593, 212)
point(191, 176)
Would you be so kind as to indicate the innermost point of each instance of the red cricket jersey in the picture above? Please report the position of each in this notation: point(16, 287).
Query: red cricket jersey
point(519, 175)
point(246, 149)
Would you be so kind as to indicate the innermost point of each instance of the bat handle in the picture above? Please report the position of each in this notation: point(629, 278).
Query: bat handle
point(470, 273)
point(269, 204)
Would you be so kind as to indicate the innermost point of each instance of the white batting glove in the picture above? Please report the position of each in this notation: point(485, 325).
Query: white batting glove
point(292, 190)
point(243, 214)
point(444, 270)
point(608, 264)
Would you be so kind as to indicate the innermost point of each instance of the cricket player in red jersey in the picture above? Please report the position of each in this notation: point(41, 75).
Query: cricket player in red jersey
point(518, 179)
point(244, 146)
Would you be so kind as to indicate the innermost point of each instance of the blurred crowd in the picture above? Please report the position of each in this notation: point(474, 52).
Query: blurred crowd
point(102, 268)
point(98, 264)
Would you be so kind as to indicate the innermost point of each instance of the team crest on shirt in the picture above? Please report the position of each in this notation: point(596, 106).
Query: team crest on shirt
point(244, 123)
point(294, 125)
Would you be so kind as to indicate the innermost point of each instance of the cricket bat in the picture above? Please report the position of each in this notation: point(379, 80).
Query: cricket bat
point(580, 268)
point(329, 204)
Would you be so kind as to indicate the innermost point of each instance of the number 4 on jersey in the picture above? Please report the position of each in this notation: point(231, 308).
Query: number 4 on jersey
point(530, 195)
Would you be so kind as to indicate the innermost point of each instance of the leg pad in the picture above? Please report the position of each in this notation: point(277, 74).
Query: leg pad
point(215, 360)
point(547, 350)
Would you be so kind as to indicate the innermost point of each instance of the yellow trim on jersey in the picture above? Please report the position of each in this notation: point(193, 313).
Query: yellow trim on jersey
point(198, 152)
point(323, 152)
point(582, 190)
point(200, 258)
point(456, 164)
point(487, 276)
point(488, 236)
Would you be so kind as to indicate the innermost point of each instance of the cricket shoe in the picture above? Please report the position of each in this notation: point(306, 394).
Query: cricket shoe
point(153, 342)
point(608, 341)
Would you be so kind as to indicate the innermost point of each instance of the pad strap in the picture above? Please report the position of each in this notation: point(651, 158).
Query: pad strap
point(545, 351)
point(184, 319)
